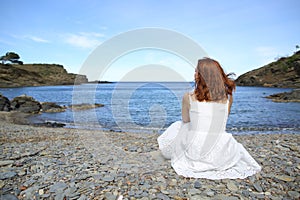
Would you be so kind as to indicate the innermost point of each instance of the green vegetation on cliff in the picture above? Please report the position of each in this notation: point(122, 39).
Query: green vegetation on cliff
point(14, 75)
point(284, 72)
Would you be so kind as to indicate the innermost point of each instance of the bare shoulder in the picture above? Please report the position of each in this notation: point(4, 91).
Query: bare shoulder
point(186, 97)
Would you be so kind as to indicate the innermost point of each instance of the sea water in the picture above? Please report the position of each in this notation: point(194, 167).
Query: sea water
point(151, 107)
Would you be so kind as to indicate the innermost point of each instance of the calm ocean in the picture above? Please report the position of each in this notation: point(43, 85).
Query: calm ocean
point(152, 107)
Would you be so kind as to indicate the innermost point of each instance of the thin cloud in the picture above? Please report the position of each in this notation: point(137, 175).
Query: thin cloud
point(84, 39)
point(38, 39)
point(30, 37)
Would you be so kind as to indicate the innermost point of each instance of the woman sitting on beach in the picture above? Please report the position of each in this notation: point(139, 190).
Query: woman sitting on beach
point(199, 146)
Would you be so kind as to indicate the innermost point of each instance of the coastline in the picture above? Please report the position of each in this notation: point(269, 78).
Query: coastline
point(47, 163)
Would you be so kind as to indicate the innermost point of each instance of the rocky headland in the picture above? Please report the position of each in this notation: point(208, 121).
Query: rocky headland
point(15, 75)
point(284, 73)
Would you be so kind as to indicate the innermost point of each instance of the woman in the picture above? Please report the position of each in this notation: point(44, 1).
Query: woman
point(198, 146)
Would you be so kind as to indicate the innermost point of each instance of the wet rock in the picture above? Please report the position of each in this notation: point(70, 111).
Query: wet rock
point(52, 124)
point(293, 96)
point(85, 106)
point(4, 103)
point(26, 104)
point(52, 107)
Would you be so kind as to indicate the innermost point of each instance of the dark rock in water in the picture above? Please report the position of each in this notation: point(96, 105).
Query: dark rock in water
point(293, 96)
point(85, 106)
point(52, 124)
point(52, 107)
point(4, 103)
point(26, 104)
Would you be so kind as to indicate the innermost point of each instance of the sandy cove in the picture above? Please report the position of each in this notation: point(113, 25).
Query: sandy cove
point(60, 163)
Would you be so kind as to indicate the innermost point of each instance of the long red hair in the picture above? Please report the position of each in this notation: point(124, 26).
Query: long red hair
point(211, 82)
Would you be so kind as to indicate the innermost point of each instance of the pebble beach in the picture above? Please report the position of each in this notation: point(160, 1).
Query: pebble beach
point(61, 163)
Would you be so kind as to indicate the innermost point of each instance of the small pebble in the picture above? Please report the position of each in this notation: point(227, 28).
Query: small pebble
point(197, 185)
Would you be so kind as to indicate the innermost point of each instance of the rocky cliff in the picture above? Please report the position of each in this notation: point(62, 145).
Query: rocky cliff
point(37, 75)
point(285, 72)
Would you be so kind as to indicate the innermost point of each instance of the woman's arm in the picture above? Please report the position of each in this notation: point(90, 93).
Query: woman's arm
point(185, 108)
point(230, 103)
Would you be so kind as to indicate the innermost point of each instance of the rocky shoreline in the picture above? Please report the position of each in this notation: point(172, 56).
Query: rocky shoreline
point(20, 109)
point(293, 96)
point(59, 163)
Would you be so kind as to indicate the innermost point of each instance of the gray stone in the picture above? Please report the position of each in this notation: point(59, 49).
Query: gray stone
point(29, 192)
point(231, 186)
point(285, 178)
point(257, 187)
point(199, 197)
point(210, 193)
point(59, 196)
point(131, 193)
point(83, 197)
point(29, 182)
point(246, 193)
point(132, 149)
point(110, 196)
point(7, 175)
point(58, 186)
point(162, 196)
point(6, 162)
point(197, 185)
point(145, 194)
point(231, 198)
point(294, 194)
point(70, 191)
point(46, 196)
point(8, 197)
point(107, 178)
point(194, 191)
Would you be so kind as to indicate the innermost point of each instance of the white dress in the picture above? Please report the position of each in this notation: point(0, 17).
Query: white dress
point(202, 148)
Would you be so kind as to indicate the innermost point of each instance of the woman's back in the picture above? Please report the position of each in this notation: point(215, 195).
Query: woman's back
point(208, 117)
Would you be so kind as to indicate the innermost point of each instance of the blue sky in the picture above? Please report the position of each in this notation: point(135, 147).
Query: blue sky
point(242, 35)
